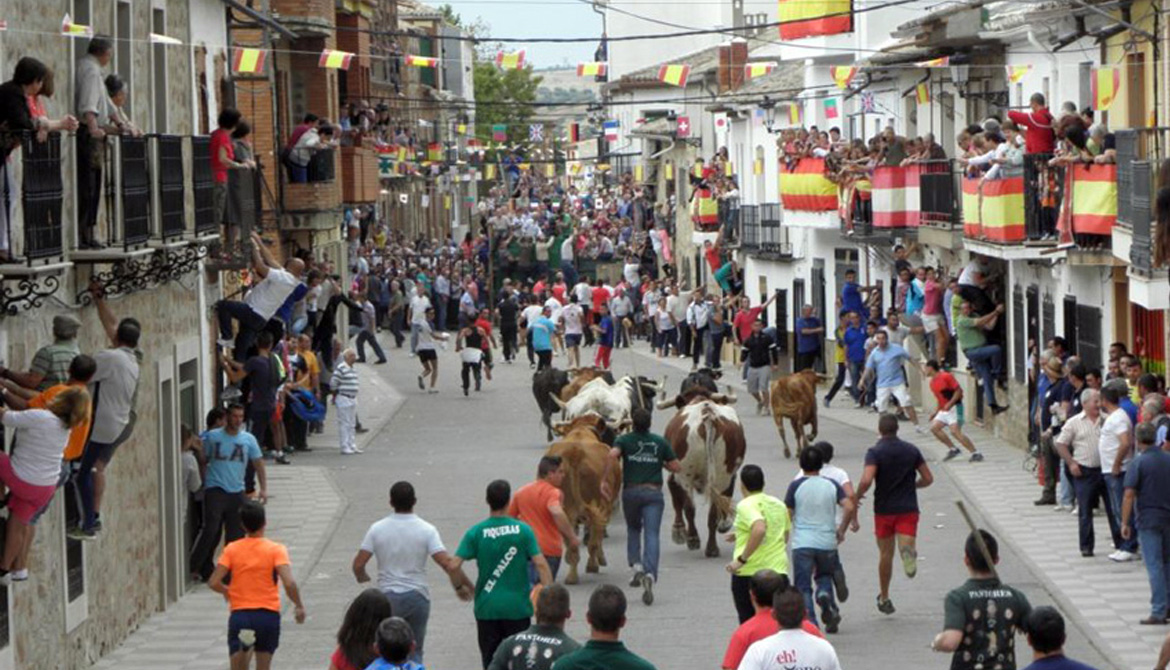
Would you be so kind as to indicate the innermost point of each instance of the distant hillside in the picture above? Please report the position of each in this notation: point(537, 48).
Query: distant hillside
point(563, 85)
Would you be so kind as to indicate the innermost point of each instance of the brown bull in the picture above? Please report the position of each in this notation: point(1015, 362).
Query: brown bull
point(583, 460)
point(794, 397)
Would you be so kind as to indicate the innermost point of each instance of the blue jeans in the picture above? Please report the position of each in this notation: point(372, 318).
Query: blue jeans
point(85, 489)
point(988, 363)
point(1155, 544)
point(1064, 488)
point(554, 566)
point(441, 302)
point(643, 507)
point(856, 368)
point(251, 324)
point(1089, 486)
point(809, 565)
point(415, 607)
point(1116, 486)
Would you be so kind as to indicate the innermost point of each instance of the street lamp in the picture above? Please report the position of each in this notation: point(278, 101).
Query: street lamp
point(769, 107)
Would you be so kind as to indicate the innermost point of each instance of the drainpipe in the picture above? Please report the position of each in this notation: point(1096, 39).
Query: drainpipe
point(1035, 42)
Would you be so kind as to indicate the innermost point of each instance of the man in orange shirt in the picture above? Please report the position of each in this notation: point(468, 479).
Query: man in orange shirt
point(254, 596)
point(540, 504)
point(81, 369)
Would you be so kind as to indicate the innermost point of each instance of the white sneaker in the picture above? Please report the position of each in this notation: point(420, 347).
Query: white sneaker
point(1060, 508)
point(1122, 556)
point(348, 452)
point(19, 575)
point(919, 429)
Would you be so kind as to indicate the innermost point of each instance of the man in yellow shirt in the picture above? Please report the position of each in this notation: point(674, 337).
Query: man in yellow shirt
point(312, 381)
point(760, 536)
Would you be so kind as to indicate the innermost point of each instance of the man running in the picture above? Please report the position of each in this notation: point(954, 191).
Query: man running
point(256, 566)
point(891, 464)
point(540, 504)
point(605, 331)
point(542, 330)
point(643, 456)
point(760, 534)
point(759, 350)
point(885, 365)
point(949, 414)
point(574, 319)
point(427, 355)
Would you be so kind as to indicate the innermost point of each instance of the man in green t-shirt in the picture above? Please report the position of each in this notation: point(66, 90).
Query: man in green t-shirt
point(545, 642)
point(760, 534)
point(604, 650)
point(983, 615)
point(501, 548)
point(643, 455)
point(986, 358)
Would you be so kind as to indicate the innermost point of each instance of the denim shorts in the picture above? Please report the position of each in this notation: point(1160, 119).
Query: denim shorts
point(265, 624)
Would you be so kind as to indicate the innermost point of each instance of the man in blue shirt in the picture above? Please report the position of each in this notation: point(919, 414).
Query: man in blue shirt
point(1145, 487)
point(228, 451)
point(855, 354)
point(542, 329)
point(809, 331)
point(885, 363)
point(1046, 636)
point(851, 295)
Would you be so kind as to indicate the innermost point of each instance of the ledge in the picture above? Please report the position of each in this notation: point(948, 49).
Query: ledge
point(1012, 251)
point(108, 255)
point(12, 270)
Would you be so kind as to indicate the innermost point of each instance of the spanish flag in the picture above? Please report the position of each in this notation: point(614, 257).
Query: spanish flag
point(248, 61)
point(401, 152)
point(806, 187)
point(753, 70)
point(795, 112)
point(510, 61)
point(971, 197)
point(422, 61)
point(1002, 213)
point(1106, 82)
point(675, 75)
point(335, 60)
point(435, 152)
point(592, 69)
point(638, 174)
point(922, 93)
point(1017, 72)
point(668, 171)
point(935, 62)
point(809, 18)
point(1093, 198)
point(843, 75)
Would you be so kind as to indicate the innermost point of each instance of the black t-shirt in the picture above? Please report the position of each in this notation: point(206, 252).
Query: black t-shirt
point(759, 349)
point(895, 487)
point(1059, 392)
point(14, 116)
point(508, 311)
point(990, 614)
point(262, 383)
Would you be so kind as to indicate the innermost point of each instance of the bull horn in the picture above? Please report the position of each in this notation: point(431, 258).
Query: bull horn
point(560, 403)
point(663, 404)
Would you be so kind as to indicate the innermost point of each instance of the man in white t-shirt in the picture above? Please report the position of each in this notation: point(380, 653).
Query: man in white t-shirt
point(419, 304)
point(1116, 450)
point(261, 302)
point(791, 647)
point(401, 543)
point(574, 319)
point(528, 316)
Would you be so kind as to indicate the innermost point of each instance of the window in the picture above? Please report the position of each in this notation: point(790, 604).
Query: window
point(123, 50)
point(427, 75)
point(159, 63)
point(74, 577)
point(171, 536)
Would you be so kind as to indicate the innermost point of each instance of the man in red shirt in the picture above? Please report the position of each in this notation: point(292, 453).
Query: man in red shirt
point(949, 413)
point(746, 316)
point(484, 323)
point(540, 505)
point(711, 252)
point(765, 584)
point(1037, 122)
point(601, 296)
point(559, 288)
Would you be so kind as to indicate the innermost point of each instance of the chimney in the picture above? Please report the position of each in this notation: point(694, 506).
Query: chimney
point(739, 55)
point(724, 78)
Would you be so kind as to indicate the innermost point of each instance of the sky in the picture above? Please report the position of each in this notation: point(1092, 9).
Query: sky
point(533, 18)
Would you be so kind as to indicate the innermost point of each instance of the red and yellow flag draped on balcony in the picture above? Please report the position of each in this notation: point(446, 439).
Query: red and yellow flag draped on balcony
point(896, 197)
point(805, 187)
point(994, 209)
point(809, 18)
point(1090, 202)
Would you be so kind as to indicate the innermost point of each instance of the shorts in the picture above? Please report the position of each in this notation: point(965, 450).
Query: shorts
point(951, 417)
point(427, 355)
point(931, 322)
point(266, 625)
point(889, 525)
point(573, 340)
point(24, 499)
point(758, 379)
point(900, 392)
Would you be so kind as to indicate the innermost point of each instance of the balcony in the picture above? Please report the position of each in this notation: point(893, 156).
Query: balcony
point(1140, 152)
point(807, 194)
point(1015, 217)
point(313, 205)
point(764, 235)
point(940, 221)
point(359, 175)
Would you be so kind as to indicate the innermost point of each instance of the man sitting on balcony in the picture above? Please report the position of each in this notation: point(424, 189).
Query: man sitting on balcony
point(987, 358)
point(261, 302)
point(311, 141)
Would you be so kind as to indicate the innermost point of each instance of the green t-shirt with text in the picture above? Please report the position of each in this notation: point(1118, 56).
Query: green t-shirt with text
point(643, 455)
point(501, 548)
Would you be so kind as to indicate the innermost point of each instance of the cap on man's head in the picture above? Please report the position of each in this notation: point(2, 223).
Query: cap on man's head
point(65, 327)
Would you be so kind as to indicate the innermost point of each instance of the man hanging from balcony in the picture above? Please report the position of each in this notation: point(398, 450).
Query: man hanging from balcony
point(261, 302)
point(93, 110)
point(986, 358)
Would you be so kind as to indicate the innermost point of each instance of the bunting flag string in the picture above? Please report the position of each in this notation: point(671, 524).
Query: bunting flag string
point(675, 75)
point(753, 70)
point(842, 75)
point(335, 60)
point(935, 62)
point(510, 61)
point(422, 61)
point(68, 27)
point(155, 38)
point(1105, 83)
point(248, 61)
point(922, 93)
point(592, 69)
point(1017, 72)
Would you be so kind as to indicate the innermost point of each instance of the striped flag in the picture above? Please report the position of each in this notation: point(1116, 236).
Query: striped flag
point(592, 69)
point(574, 132)
point(668, 171)
point(155, 38)
point(638, 173)
point(935, 62)
point(922, 93)
point(434, 152)
point(335, 60)
point(510, 61)
point(248, 61)
point(843, 75)
point(1017, 72)
point(753, 70)
point(795, 112)
point(422, 61)
point(675, 75)
point(868, 102)
point(68, 27)
point(1105, 81)
point(611, 131)
point(832, 111)
point(499, 132)
point(809, 18)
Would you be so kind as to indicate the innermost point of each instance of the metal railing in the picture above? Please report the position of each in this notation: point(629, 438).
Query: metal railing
point(938, 189)
point(128, 189)
point(749, 217)
point(41, 196)
point(203, 186)
point(322, 166)
point(1043, 193)
point(1140, 152)
point(172, 173)
point(773, 235)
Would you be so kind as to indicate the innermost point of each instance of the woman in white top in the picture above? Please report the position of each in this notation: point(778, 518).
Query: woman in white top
point(29, 475)
point(667, 329)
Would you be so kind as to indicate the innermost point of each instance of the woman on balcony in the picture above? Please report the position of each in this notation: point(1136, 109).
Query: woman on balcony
point(119, 119)
point(312, 141)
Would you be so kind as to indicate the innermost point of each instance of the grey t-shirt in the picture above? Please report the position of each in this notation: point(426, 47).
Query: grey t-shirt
point(535, 649)
point(113, 388)
point(402, 544)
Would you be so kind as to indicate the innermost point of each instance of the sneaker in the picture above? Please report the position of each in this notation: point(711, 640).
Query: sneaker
point(348, 452)
point(225, 343)
point(19, 575)
point(1122, 556)
point(976, 457)
point(466, 391)
point(1060, 508)
point(910, 561)
point(829, 614)
point(648, 589)
point(951, 454)
point(421, 386)
point(1044, 501)
point(920, 429)
point(1072, 509)
point(231, 393)
point(885, 606)
point(839, 583)
point(97, 523)
point(283, 460)
point(998, 409)
point(827, 402)
point(636, 578)
point(77, 533)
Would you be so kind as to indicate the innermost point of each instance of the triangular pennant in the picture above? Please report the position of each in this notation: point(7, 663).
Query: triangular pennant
point(842, 75)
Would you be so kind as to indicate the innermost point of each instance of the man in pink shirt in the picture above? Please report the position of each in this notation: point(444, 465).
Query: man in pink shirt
point(765, 584)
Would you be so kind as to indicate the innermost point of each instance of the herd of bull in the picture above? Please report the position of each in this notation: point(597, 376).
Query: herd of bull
point(705, 433)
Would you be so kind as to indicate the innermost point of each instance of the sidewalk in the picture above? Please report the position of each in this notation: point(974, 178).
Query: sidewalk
point(1105, 598)
point(303, 511)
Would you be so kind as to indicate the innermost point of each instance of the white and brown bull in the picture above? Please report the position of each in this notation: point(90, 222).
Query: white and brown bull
point(708, 440)
point(794, 397)
point(583, 461)
point(613, 402)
